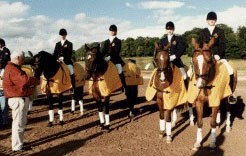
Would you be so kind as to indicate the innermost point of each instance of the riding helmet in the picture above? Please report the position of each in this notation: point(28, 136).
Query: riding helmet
point(113, 28)
point(170, 25)
point(63, 32)
point(211, 16)
point(2, 42)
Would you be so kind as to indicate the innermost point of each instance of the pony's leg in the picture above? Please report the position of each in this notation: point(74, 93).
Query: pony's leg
point(218, 118)
point(107, 119)
point(191, 115)
point(60, 111)
point(72, 105)
point(213, 127)
point(30, 105)
point(131, 96)
point(228, 118)
point(81, 104)
point(159, 101)
point(168, 126)
point(199, 110)
point(100, 113)
point(174, 117)
point(51, 110)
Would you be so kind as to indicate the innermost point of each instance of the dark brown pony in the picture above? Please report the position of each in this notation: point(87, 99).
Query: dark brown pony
point(163, 79)
point(95, 67)
point(204, 69)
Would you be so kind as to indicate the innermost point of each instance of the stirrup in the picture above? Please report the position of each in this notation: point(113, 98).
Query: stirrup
point(232, 100)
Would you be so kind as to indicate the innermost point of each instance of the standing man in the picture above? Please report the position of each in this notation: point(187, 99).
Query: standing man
point(111, 51)
point(17, 88)
point(4, 58)
point(218, 48)
point(176, 49)
point(63, 53)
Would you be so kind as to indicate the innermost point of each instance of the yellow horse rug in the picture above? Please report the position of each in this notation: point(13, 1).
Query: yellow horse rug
point(220, 89)
point(132, 73)
point(79, 72)
point(109, 82)
point(174, 95)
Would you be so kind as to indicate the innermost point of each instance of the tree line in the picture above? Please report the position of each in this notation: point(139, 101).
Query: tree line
point(144, 46)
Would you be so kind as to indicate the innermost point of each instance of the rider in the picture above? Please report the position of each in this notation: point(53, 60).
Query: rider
point(218, 48)
point(4, 58)
point(176, 49)
point(63, 53)
point(111, 51)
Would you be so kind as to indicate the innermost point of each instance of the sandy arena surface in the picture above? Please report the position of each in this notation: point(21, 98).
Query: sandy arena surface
point(81, 135)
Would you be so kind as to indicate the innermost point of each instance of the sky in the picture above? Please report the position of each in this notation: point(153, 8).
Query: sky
point(34, 24)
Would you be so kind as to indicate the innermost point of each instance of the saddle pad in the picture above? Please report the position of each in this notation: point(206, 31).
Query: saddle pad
point(220, 90)
point(177, 92)
point(59, 83)
point(132, 74)
point(109, 82)
point(79, 74)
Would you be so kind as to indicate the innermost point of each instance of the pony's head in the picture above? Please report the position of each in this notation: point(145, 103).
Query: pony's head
point(44, 63)
point(95, 65)
point(164, 70)
point(204, 64)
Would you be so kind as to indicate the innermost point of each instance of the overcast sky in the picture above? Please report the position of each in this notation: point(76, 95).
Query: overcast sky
point(34, 24)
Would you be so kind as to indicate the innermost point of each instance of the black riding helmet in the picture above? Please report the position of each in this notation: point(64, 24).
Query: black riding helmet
point(113, 28)
point(63, 32)
point(2, 42)
point(211, 16)
point(170, 25)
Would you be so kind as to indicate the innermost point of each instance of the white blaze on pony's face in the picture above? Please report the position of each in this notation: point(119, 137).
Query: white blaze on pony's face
point(200, 60)
point(162, 78)
point(88, 57)
point(161, 57)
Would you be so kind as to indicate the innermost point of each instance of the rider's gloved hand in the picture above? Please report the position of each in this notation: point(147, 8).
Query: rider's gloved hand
point(217, 57)
point(61, 59)
point(172, 57)
point(107, 58)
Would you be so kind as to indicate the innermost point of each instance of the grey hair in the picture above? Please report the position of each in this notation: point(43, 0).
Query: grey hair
point(16, 54)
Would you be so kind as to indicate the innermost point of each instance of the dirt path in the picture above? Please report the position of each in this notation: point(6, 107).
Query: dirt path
point(82, 136)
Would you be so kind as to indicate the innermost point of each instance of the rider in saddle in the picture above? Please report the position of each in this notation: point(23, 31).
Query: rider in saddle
point(4, 58)
point(218, 48)
point(111, 51)
point(176, 49)
point(63, 53)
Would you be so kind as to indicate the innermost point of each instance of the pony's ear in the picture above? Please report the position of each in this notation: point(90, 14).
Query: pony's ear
point(30, 54)
point(194, 43)
point(87, 48)
point(212, 40)
point(98, 47)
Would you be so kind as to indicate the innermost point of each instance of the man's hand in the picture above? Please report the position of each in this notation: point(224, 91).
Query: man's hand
point(217, 57)
point(172, 57)
point(107, 58)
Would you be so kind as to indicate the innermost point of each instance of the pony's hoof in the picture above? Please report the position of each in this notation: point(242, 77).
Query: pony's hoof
point(196, 146)
point(173, 124)
point(106, 128)
point(161, 134)
point(169, 139)
point(212, 147)
point(192, 123)
point(72, 112)
point(81, 113)
point(228, 129)
point(131, 116)
point(61, 123)
point(50, 124)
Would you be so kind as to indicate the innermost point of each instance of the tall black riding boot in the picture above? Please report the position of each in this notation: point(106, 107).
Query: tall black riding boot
point(123, 81)
point(186, 82)
point(73, 81)
point(232, 99)
point(231, 83)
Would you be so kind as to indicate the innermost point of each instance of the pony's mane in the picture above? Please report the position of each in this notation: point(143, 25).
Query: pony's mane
point(47, 64)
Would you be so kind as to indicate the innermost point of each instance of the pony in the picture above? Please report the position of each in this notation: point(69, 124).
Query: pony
point(209, 84)
point(55, 80)
point(99, 73)
point(167, 85)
